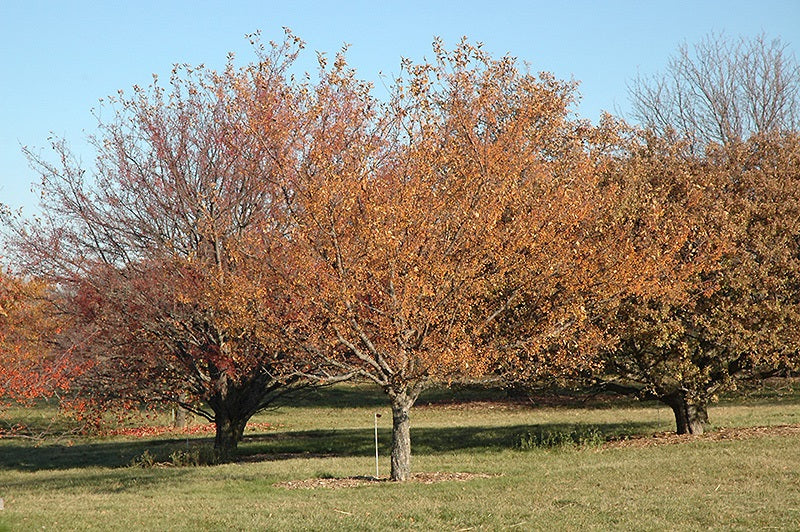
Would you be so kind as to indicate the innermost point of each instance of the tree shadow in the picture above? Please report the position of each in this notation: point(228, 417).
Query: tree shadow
point(318, 443)
point(774, 391)
point(109, 481)
point(112, 454)
point(338, 396)
point(371, 396)
point(436, 440)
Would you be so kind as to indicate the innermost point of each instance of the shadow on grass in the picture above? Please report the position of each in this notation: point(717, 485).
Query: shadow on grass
point(438, 440)
point(30, 457)
point(110, 481)
point(338, 396)
point(783, 391)
point(315, 443)
point(371, 396)
point(367, 395)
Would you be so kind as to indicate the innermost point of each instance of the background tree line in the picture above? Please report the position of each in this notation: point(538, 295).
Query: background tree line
point(244, 234)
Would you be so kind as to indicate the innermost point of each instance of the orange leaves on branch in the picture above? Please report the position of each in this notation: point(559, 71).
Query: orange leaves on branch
point(244, 231)
point(165, 259)
point(725, 223)
point(35, 357)
point(463, 210)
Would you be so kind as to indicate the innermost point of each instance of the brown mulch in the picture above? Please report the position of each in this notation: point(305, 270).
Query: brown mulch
point(723, 434)
point(352, 482)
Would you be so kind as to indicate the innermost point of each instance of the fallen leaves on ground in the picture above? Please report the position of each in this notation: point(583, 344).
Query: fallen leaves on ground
point(205, 428)
point(722, 434)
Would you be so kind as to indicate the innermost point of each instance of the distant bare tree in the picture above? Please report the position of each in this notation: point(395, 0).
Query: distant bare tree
point(722, 90)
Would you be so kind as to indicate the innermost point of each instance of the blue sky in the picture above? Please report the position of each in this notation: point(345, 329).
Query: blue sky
point(59, 58)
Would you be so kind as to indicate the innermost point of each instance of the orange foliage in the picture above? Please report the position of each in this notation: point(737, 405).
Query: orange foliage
point(731, 311)
point(35, 356)
point(466, 219)
point(154, 253)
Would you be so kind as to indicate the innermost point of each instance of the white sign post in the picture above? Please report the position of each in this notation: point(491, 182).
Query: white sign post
point(376, 444)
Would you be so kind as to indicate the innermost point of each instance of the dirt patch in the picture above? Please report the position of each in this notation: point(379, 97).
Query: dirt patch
point(352, 482)
point(740, 433)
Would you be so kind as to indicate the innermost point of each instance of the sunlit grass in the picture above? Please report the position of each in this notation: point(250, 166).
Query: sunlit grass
point(748, 484)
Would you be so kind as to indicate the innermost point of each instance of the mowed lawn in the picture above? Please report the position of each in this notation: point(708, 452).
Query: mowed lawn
point(540, 468)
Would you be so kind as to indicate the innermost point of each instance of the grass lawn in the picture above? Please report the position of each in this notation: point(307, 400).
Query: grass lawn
point(532, 480)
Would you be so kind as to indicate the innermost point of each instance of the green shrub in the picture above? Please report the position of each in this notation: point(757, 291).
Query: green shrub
point(198, 456)
point(145, 460)
point(581, 436)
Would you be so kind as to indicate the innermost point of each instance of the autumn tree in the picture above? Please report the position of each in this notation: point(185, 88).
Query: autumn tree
point(153, 247)
point(722, 90)
point(738, 316)
point(420, 224)
point(35, 347)
point(615, 241)
point(736, 105)
point(649, 360)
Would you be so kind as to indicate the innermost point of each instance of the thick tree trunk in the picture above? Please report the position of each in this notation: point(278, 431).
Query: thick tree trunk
point(229, 433)
point(401, 436)
point(235, 402)
point(690, 417)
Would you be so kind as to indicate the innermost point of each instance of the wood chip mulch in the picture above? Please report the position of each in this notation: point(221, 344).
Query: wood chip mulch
point(352, 482)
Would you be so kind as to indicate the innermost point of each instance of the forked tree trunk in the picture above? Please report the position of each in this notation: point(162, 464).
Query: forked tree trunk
point(236, 402)
point(229, 432)
point(401, 436)
point(690, 417)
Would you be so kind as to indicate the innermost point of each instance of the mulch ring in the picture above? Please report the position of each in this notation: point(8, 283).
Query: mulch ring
point(352, 482)
point(723, 434)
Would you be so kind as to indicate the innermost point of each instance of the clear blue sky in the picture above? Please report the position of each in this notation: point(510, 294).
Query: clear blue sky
point(60, 57)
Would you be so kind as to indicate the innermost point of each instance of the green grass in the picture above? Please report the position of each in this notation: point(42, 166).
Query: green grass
point(547, 483)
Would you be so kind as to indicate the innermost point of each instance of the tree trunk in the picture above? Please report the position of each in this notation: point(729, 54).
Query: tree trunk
point(401, 436)
point(229, 434)
point(179, 413)
point(178, 417)
point(690, 417)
